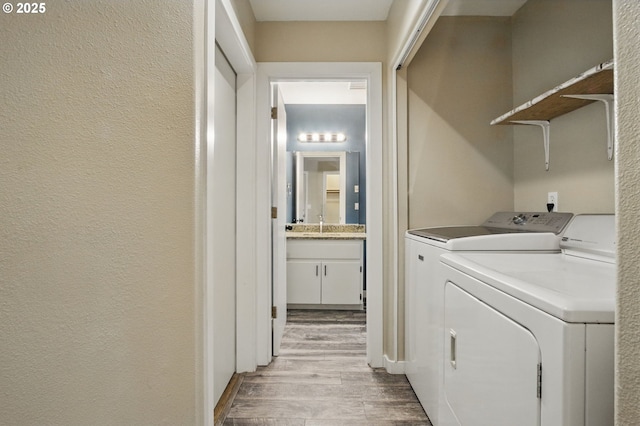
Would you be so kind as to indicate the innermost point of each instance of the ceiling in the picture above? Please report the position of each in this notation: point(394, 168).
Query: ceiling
point(482, 7)
point(323, 92)
point(321, 10)
point(354, 10)
point(367, 10)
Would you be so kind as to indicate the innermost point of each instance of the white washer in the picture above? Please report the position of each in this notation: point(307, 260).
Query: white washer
point(424, 292)
point(529, 338)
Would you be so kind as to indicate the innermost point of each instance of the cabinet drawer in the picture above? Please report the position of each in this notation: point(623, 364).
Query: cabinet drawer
point(323, 249)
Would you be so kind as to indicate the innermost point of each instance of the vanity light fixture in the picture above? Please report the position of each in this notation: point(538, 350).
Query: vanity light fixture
point(322, 137)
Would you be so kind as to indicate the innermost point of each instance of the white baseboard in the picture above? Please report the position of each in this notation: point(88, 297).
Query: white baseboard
point(393, 367)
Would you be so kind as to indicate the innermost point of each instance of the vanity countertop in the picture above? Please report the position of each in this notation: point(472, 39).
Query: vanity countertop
point(326, 235)
point(329, 232)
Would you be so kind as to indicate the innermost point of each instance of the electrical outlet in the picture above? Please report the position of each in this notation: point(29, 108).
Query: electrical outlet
point(552, 198)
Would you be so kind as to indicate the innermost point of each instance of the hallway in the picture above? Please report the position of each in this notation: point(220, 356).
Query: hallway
point(321, 378)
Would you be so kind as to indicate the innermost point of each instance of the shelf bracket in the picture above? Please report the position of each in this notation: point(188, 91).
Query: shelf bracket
point(544, 124)
point(607, 99)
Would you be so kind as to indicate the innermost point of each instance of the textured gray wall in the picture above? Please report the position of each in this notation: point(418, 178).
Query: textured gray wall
point(97, 317)
point(627, 54)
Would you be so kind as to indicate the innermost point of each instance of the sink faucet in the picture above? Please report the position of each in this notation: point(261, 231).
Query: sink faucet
point(320, 216)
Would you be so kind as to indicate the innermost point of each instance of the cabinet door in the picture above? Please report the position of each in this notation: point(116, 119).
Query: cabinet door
point(341, 282)
point(303, 281)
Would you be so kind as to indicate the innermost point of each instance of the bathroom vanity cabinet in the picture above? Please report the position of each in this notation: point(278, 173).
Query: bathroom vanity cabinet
point(325, 274)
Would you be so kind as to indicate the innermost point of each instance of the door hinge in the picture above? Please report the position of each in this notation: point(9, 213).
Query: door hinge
point(274, 113)
point(539, 381)
point(274, 212)
point(274, 312)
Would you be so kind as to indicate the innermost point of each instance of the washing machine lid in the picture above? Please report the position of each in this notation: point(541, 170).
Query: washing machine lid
point(502, 231)
point(570, 288)
point(446, 233)
point(509, 241)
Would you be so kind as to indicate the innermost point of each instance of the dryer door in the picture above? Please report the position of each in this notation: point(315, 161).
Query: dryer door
point(491, 364)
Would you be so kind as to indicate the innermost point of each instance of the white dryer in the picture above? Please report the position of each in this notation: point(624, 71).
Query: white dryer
point(529, 338)
point(424, 292)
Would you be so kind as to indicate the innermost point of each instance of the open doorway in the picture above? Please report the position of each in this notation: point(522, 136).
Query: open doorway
point(369, 204)
point(324, 185)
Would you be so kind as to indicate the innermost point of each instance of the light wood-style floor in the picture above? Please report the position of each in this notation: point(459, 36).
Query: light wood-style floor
point(321, 378)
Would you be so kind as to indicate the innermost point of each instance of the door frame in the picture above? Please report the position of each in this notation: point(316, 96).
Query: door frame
point(216, 22)
point(230, 36)
point(271, 72)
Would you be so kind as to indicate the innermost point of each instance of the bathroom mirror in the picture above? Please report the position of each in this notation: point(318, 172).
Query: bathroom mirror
point(320, 187)
point(326, 187)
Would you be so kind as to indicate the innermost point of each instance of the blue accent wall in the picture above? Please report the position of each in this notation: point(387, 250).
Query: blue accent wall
point(348, 119)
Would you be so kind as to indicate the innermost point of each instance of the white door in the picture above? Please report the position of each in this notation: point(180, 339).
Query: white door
point(304, 281)
point(279, 202)
point(341, 282)
point(490, 364)
point(221, 178)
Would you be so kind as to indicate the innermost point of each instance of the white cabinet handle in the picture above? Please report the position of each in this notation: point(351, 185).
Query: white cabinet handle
point(325, 270)
point(316, 270)
point(452, 342)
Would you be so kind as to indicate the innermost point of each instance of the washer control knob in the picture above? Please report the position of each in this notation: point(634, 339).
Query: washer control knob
point(519, 219)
